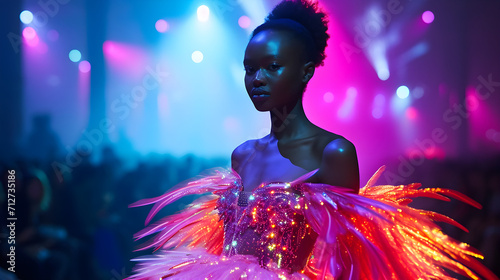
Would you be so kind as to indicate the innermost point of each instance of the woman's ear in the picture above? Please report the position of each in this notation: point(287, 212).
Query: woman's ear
point(308, 71)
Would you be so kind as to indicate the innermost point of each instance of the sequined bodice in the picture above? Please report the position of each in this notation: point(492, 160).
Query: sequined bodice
point(267, 223)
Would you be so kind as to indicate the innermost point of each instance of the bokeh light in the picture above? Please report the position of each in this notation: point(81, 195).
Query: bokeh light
point(428, 17)
point(30, 36)
point(203, 13)
point(378, 106)
point(161, 26)
point(328, 97)
point(197, 56)
point(403, 92)
point(417, 92)
point(84, 66)
point(75, 55)
point(244, 22)
point(411, 113)
point(383, 74)
point(346, 110)
point(26, 17)
point(29, 33)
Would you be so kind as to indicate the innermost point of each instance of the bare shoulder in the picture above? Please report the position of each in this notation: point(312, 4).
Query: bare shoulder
point(339, 162)
point(242, 153)
point(339, 148)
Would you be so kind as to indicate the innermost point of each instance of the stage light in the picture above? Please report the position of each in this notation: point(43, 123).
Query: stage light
point(417, 92)
point(377, 55)
point(403, 92)
point(203, 13)
point(378, 106)
point(244, 22)
point(26, 17)
point(197, 56)
point(75, 55)
point(428, 17)
point(30, 36)
point(347, 107)
point(328, 97)
point(161, 25)
point(84, 66)
point(29, 33)
point(383, 74)
point(411, 113)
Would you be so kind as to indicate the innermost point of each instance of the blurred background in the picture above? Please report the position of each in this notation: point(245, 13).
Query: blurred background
point(105, 102)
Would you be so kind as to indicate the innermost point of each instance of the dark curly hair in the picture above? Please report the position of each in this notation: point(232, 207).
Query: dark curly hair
point(306, 21)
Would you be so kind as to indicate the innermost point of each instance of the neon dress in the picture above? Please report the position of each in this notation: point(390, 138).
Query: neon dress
point(303, 230)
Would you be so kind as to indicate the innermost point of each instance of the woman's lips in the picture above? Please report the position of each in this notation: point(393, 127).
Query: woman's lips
point(259, 95)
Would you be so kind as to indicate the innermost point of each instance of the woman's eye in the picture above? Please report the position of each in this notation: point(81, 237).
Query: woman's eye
point(249, 70)
point(274, 67)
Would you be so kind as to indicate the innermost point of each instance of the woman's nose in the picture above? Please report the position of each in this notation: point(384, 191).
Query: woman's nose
point(259, 79)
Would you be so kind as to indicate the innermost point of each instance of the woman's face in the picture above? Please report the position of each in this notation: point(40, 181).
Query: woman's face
point(275, 71)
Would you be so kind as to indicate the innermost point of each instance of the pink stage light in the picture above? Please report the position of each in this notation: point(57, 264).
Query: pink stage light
point(411, 113)
point(161, 26)
point(328, 97)
point(124, 58)
point(244, 22)
point(84, 66)
point(30, 36)
point(29, 33)
point(428, 17)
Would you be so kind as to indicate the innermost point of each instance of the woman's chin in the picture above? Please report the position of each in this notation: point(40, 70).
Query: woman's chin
point(261, 108)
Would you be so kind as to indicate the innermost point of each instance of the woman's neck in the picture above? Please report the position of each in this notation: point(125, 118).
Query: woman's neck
point(290, 124)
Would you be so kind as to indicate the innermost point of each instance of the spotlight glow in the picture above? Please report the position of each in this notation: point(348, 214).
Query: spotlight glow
point(417, 92)
point(403, 92)
point(197, 56)
point(378, 106)
point(378, 58)
point(244, 22)
point(84, 66)
point(346, 110)
point(328, 97)
point(411, 113)
point(26, 17)
point(428, 17)
point(29, 33)
point(203, 13)
point(161, 26)
point(75, 55)
point(383, 74)
point(30, 36)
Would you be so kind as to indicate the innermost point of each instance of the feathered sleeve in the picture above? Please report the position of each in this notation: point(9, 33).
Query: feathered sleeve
point(199, 225)
point(376, 235)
